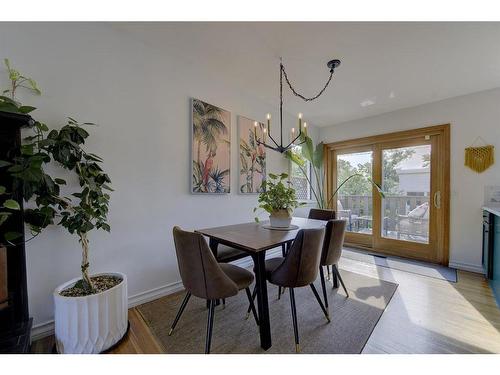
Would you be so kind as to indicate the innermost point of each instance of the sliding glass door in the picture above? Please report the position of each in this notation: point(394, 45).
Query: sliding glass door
point(412, 167)
point(354, 198)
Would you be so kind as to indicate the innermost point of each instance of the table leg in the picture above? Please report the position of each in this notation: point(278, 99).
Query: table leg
point(263, 304)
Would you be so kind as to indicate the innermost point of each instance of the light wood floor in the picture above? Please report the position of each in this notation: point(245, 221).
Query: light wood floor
point(425, 315)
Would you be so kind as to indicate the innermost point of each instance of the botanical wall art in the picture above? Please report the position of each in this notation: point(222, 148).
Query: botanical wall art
point(211, 149)
point(252, 156)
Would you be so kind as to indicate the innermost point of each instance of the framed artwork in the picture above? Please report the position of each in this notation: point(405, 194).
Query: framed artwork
point(252, 160)
point(210, 149)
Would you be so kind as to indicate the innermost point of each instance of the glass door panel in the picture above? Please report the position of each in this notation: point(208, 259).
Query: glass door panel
point(406, 182)
point(354, 199)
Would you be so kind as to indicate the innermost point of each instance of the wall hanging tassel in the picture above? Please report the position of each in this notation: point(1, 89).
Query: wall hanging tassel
point(479, 158)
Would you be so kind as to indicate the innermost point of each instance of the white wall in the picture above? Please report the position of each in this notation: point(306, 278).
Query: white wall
point(470, 116)
point(140, 96)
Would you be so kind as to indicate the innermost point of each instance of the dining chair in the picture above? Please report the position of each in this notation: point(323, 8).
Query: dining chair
point(321, 214)
point(298, 269)
point(205, 278)
point(331, 252)
point(325, 215)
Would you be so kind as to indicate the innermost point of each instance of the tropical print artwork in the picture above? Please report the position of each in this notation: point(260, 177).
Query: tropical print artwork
point(211, 148)
point(252, 156)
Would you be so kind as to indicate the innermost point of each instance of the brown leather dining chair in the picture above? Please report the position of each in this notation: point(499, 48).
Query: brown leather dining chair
point(205, 278)
point(325, 215)
point(298, 269)
point(321, 214)
point(331, 252)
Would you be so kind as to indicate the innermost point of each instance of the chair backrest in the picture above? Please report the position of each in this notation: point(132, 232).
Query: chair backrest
point(333, 243)
point(300, 267)
point(321, 214)
point(200, 272)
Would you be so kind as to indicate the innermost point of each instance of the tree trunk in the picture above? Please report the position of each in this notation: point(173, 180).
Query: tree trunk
point(85, 262)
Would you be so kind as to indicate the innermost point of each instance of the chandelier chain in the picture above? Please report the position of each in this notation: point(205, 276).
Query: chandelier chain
point(302, 96)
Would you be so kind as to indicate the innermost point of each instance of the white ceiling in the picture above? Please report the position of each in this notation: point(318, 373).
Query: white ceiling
point(385, 65)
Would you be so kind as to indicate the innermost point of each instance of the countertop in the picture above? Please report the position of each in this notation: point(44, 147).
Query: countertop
point(495, 210)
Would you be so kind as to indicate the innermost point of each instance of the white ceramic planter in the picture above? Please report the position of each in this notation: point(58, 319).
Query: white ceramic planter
point(280, 219)
point(91, 324)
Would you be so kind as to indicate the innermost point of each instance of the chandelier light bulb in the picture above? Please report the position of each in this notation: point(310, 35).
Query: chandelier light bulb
point(300, 115)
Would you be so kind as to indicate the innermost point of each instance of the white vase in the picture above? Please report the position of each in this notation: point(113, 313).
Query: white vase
point(91, 324)
point(280, 219)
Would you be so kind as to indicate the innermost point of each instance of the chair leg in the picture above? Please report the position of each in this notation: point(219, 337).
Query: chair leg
point(325, 311)
point(335, 278)
point(341, 281)
point(210, 326)
point(294, 319)
point(179, 313)
point(223, 303)
point(283, 250)
point(279, 292)
point(328, 274)
point(252, 306)
point(323, 285)
point(254, 294)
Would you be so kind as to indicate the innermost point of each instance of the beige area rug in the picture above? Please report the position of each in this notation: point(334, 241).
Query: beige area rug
point(352, 320)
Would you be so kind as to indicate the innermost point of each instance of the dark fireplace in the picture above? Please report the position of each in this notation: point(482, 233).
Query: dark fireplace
point(15, 324)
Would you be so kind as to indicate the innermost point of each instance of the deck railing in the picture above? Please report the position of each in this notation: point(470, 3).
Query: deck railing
point(393, 206)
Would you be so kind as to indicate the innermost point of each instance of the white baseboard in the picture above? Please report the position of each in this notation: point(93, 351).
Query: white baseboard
point(467, 267)
point(45, 329)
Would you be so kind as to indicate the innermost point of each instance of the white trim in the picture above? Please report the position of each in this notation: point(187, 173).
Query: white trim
point(467, 267)
point(45, 329)
point(42, 330)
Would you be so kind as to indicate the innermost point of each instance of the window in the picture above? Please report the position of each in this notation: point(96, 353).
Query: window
point(298, 179)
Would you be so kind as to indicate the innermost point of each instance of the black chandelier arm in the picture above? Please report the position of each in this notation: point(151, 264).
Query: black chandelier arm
point(272, 139)
point(293, 141)
point(302, 96)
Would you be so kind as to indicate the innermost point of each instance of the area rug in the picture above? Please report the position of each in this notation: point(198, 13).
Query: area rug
point(413, 266)
point(352, 320)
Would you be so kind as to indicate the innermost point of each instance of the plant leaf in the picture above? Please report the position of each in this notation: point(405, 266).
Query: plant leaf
point(11, 204)
point(26, 109)
point(10, 236)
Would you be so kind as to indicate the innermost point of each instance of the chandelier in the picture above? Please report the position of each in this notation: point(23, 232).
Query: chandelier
point(302, 128)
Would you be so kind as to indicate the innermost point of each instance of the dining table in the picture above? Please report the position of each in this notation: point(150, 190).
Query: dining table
point(256, 239)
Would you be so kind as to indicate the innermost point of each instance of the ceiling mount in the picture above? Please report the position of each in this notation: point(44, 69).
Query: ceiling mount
point(332, 64)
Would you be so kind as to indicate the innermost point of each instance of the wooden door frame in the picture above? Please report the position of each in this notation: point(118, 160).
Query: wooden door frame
point(440, 154)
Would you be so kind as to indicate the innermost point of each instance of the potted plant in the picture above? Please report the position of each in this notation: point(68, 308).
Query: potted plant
point(278, 199)
point(91, 312)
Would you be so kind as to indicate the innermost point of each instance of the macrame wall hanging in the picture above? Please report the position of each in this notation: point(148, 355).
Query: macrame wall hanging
point(479, 158)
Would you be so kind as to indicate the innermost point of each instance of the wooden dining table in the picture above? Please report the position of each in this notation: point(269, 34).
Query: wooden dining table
point(255, 239)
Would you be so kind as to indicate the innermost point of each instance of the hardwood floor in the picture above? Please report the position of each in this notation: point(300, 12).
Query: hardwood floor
point(425, 315)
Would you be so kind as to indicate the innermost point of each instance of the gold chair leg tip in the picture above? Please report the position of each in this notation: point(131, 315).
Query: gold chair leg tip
point(247, 316)
point(170, 332)
point(297, 348)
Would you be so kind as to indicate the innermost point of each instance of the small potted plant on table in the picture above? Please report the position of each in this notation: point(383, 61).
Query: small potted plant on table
point(279, 200)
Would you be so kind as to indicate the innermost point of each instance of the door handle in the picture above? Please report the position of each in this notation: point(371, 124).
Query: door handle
point(437, 199)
